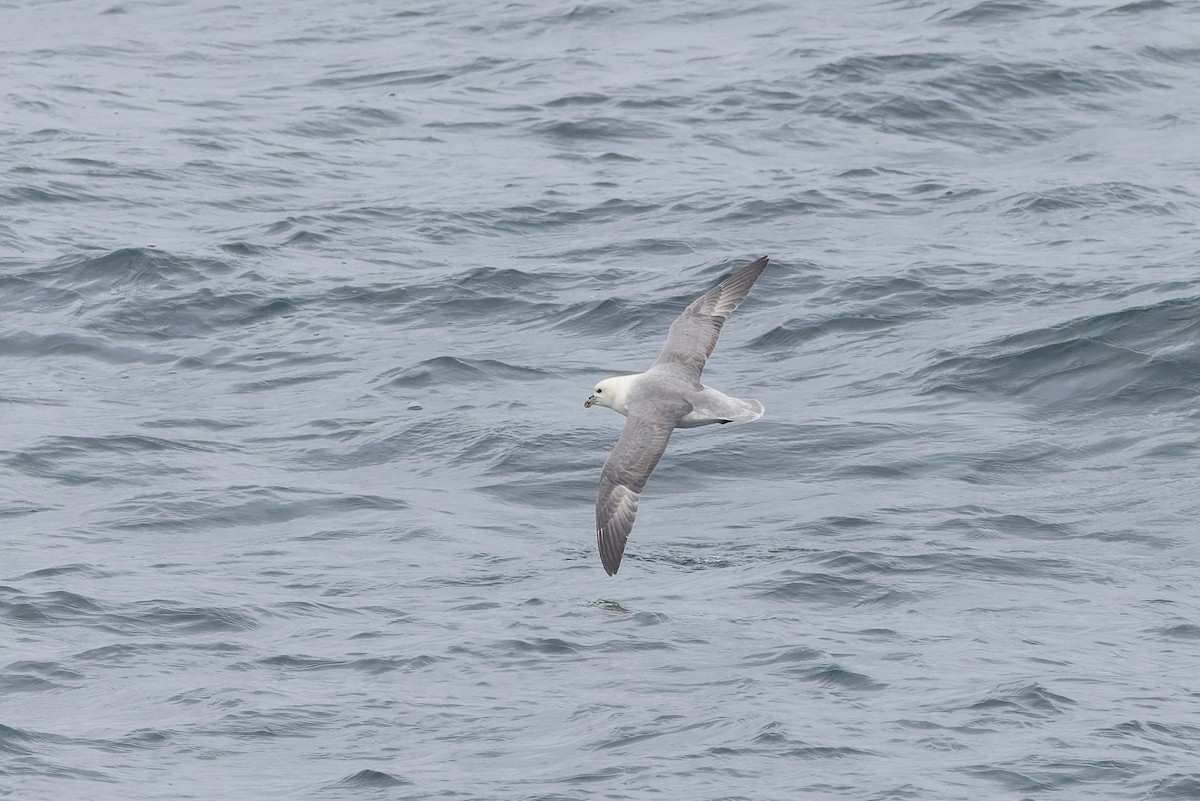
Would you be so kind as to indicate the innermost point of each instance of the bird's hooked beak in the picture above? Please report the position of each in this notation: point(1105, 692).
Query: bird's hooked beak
point(590, 402)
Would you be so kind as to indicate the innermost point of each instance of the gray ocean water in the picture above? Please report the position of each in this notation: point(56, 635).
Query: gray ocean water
point(299, 304)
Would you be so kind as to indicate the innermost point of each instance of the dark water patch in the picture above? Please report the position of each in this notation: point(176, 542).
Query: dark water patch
point(1017, 525)
point(869, 69)
point(304, 609)
point(991, 84)
point(792, 750)
point(86, 571)
point(1011, 463)
point(723, 11)
point(17, 509)
point(346, 78)
point(53, 449)
point(125, 655)
point(245, 249)
point(48, 608)
point(869, 305)
point(1179, 450)
point(1016, 702)
point(663, 726)
point(477, 294)
point(503, 282)
point(162, 617)
point(141, 739)
point(235, 507)
point(774, 739)
point(836, 677)
point(194, 423)
point(959, 564)
point(288, 721)
point(335, 534)
point(610, 316)
point(372, 666)
point(19, 291)
point(524, 451)
point(1049, 775)
point(1156, 735)
point(629, 645)
point(425, 442)
point(1181, 786)
point(16, 741)
point(520, 654)
point(284, 382)
point(1173, 54)
point(26, 344)
point(261, 360)
point(1142, 7)
point(592, 129)
point(579, 99)
point(371, 779)
point(981, 103)
point(1122, 359)
point(980, 83)
point(1087, 200)
point(102, 460)
point(925, 197)
point(305, 237)
point(537, 218)
point(629, 250)
point(794, 586)
point(129, 270)
point(796, 661)
point(734, 99)
point(475, 575)
point(687, 555)
point(443, 370)
point(1181, 631)
point(11, 683)
point(800, 331)
point(62, 608)
point(651, 619)
point(811, 201)
point(46, 670)
point(345, 121)
point(546, 646)
point(196, 314)
point(585, 14)
point(1002, 11)
point(54, 193)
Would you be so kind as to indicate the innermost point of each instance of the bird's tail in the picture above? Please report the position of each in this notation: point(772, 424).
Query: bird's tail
point(748, 411)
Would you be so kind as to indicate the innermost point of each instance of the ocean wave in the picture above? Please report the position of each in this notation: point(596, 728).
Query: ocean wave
point(1126, 358)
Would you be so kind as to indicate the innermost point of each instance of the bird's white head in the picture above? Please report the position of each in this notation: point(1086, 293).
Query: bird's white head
point(611, 392)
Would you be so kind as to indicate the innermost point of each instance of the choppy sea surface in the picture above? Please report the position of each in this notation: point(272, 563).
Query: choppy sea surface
point(299, 303)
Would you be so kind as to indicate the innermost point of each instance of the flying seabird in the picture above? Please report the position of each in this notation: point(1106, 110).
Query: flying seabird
point(667, 396)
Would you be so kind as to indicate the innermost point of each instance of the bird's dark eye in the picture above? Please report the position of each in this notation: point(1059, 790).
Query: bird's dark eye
point(598, 390)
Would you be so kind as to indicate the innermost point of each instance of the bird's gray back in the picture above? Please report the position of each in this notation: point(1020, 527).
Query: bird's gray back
point(661, 394)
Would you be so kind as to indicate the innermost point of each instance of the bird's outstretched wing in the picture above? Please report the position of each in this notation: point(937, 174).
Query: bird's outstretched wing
point(631, 462)
point(694, 333)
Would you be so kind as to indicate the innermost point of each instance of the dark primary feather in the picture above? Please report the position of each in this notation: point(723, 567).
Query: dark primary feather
point(694, 333)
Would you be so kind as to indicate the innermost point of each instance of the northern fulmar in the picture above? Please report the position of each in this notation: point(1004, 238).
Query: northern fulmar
point(667, 396)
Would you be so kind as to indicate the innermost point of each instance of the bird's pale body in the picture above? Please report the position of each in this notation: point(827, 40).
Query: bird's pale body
point(708, 405)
